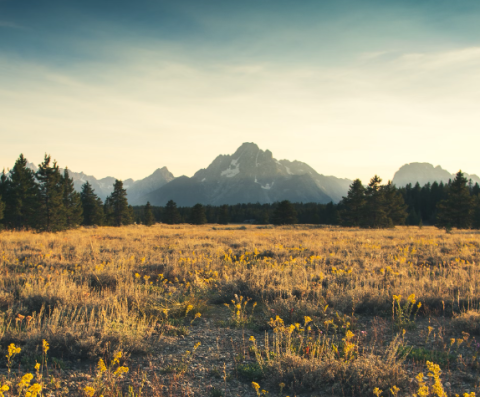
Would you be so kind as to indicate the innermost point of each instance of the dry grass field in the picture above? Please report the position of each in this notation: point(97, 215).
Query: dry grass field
point(239, 311)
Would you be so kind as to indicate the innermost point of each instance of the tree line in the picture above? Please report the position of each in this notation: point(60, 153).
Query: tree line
point(377, 205)
point(46, 200)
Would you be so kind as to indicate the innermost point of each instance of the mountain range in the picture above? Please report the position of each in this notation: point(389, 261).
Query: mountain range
point(424, 173)
point(249, 175)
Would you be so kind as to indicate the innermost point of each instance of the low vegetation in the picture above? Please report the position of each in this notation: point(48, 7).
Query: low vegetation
point(317, 311)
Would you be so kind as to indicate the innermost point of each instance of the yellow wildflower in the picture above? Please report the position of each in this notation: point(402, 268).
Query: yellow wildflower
point(12, 350)
point(101, 366)
point(34, 390)
point(394, 390)
point(89, 391)
point(45, 346)
point(25, 381)
point(377, 392)
point(2, 389)
point(117, 358)
point(120, 370)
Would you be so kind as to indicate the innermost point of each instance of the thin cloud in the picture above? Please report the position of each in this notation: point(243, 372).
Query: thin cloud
point(11, 25)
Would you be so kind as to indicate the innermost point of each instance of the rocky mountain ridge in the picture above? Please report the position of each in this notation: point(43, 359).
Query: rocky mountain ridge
point(250, 175)
point(424, 173)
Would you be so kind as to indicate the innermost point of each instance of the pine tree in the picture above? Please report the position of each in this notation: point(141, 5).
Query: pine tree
point(285, 213)
point(456, 210)
point(148, 217)
point(117, 210)
point(92, 206)
point(71, 201)
point(3, 190)
point(20, 195)
point(171, 215)
point(375, 215)
point(476, 189)
point(51, 213)
point(198, 216)
point(476, 212)
point(223, 216)
point(2, 209)
point(353, 205)
point(396, 210)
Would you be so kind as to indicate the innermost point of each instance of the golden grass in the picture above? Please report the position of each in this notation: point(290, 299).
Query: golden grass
point(96, 290)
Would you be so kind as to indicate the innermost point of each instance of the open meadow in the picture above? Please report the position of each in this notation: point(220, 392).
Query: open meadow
point(240, 310)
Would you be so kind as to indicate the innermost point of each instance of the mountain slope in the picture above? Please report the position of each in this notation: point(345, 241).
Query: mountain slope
point(251, 175)
point(144, 186)
point(424, 173)
point(135, 189)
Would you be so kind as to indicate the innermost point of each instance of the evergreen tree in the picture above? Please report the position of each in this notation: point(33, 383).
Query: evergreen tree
point(476, 212)
point(285, 213)
point(51, 213)
point(171, 215)
point(20, 195)
point(117, 210)
point(92, 206)
point(223, 216)
point(197, 216)
point(413, 219)
point(71, 201)
point(456, 209)
point(353, 205)
point(264, 217)
point(3, 191)
point(148, 217)
point(396, 210)
point(2, 209)
point(375, 214)
point(476, 189)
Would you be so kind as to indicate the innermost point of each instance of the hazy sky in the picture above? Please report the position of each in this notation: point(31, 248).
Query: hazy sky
point(352, 88)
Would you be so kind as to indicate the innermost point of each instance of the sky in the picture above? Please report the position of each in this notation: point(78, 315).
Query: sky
point(352, 88)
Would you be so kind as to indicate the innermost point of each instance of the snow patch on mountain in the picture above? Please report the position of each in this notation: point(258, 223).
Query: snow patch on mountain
point(231, 172)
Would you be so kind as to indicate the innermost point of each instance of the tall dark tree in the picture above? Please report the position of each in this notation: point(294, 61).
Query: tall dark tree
point(476, 189)
point(92, 206)
point(456, 210)
point(223, 216)
point(285, 213)
point(476, 212)
point(117, 209)
point(171, 215)
point(20, 196)
point(396, 209)
point(198, 216)
point(353, 205)
point(51, 214)
point(148, 218)
point(3, 191)
point(71, 201)
point(2, 209)
point(375, 215)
